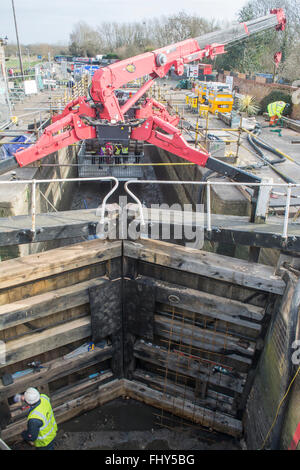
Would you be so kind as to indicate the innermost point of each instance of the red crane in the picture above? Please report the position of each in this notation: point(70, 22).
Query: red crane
point(101, 113)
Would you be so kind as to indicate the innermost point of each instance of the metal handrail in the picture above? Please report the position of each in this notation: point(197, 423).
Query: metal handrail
point(62, 180)
point(208, 184)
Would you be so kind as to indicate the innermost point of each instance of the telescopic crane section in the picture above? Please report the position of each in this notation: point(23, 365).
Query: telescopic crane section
point(87, 118)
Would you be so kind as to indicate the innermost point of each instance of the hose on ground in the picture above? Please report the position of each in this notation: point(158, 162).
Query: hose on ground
point(280, 158)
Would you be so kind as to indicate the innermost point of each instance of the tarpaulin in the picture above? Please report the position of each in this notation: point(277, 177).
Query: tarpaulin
point(9, 149)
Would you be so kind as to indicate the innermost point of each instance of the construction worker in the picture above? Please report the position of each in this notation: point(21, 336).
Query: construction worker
point(41, 424)
point(101, 153)
point(275, 111)
point(108, 151)
point(124, 151)
point(117, 152)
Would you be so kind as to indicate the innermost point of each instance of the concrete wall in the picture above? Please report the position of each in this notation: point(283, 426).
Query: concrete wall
point(225, 200)
point(16, 199)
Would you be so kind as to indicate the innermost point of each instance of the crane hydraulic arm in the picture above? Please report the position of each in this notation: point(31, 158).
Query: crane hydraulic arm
point(87, 117)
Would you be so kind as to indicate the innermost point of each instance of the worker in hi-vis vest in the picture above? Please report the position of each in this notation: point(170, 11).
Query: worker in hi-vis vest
point(41, 424)
point(117, 153)
point(275, 111)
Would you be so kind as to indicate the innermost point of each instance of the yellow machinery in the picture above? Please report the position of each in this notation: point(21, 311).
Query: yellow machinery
point(220, 101)
point(203, 110)
point(200, 91)
point(187, 99)
point(191, 101)
point(194, 103)
point(202, 94)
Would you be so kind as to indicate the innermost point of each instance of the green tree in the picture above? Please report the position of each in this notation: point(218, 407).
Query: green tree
point(256, 53)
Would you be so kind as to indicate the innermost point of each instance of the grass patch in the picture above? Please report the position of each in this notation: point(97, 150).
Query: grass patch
point(13, 63)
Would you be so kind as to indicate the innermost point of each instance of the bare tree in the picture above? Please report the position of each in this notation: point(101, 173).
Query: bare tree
point(84, 40)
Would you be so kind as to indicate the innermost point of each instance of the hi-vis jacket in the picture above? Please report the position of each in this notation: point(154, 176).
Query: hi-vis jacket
point(48, 430)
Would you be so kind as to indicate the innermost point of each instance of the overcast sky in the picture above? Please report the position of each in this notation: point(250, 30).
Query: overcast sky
point(52, 20)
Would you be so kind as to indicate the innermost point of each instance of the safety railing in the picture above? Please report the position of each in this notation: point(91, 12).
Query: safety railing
point(32, 134)
point(287, 186)
point(34, 183)
point(110, 160)
point(262, 187)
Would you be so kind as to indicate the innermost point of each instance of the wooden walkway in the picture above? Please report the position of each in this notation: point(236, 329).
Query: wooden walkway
point(230, 229)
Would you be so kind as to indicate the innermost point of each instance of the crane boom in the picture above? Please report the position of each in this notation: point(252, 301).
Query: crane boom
point(157, 63)
point(239, 31)
point(152, 122)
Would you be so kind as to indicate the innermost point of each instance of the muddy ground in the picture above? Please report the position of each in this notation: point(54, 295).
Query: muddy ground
point(126, 424)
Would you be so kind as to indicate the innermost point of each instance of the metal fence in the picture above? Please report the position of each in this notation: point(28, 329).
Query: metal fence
point(123, 167)
point(262, 191)
point(262, 187)
point(34, 183)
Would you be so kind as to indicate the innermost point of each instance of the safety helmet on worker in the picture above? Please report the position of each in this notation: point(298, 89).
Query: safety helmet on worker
point(32, 396)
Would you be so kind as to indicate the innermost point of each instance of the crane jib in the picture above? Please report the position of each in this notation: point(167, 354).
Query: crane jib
point(153, 123)
point(240, 31)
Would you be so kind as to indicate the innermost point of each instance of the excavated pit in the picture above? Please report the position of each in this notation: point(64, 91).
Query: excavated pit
point(145, 329)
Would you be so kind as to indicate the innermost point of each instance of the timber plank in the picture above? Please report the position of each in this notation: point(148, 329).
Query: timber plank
point(28, 268)
point(52, 338)
point(85, 386)
point(213, 399)
point(236, 230)
point(68, 393)
point(212, 265)
point(186, 366)
point(180, 407)
point(203, 339)
point(46, 304)
point(54, 225)
point(224, 228)
point(57, 369)
point(71, 408)
point(209, 305)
